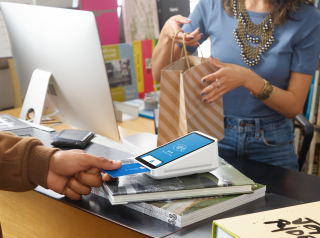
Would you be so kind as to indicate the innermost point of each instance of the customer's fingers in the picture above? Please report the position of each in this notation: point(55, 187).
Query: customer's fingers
point(78, 187)
point(91, 161)
point(89, 178)
point(106, 177)
point(72, 194)
point(78, 151)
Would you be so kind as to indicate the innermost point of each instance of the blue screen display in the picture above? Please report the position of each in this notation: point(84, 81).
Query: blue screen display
point(176, 149)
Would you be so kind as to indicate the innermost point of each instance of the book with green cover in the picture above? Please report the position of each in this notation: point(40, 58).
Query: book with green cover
point(184, 212)
point(140, 187)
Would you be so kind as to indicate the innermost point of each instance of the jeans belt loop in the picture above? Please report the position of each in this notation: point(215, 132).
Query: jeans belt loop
point(257, 124)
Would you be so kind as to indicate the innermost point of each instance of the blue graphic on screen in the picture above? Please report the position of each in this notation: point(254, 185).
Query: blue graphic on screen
point(176, 149)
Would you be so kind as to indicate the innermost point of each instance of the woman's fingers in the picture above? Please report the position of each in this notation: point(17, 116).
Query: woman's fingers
point(209, 89)
point(190, 42)
point(191, 36)
point(215, 95)
point(181, 20)
point(212, 77)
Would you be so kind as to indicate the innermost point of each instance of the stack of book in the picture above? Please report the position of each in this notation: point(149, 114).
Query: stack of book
point(198, 196)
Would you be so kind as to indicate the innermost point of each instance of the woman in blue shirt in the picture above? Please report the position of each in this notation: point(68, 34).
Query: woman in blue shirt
point(268, 52)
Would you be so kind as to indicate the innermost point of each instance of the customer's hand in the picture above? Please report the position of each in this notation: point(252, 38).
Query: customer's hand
point(73, 172)
point(173, 25)
point(229, 77)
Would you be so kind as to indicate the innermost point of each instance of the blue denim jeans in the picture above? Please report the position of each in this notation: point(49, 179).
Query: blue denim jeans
point(268, 140)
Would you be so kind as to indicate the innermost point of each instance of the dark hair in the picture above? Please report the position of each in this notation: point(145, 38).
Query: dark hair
point(282, 8)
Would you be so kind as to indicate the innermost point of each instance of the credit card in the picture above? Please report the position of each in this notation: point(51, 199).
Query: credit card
point(127, 169)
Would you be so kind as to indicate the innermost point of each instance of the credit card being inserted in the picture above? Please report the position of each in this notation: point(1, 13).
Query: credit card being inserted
point(127, 169)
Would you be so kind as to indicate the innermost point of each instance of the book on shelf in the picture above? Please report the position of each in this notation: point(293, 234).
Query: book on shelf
point(140, 20)
point(142, 51)
point(184, 212)
point(312, 117)
point(309, 99)
point(105, 13)
point(121, 71)
point(315, 167)
point(141, 187)
point(295, 221)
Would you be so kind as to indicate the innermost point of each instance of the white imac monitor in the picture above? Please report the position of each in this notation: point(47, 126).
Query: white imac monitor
point(59, 50)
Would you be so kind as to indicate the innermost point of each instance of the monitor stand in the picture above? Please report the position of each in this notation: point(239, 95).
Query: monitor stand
point(36, 95)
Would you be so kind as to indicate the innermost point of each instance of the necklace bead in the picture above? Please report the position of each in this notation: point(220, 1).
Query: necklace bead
point(247, 32)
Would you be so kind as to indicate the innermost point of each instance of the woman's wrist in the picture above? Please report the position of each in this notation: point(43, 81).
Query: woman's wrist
point(254, 83)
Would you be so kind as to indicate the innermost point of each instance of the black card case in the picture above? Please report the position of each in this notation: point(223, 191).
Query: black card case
point(73, 139)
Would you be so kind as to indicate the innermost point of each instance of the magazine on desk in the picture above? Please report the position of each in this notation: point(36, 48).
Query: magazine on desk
point(184, 212)
point(141, 187)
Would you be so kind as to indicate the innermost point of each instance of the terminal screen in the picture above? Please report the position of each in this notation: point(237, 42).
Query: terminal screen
point(174, 150)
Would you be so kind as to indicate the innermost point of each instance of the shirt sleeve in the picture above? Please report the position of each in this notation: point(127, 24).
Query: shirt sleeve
point(198, 19)
point(306, 52)
point(24, 162)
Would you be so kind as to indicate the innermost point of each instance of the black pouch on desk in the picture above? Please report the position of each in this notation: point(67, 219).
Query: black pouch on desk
point(73, 139)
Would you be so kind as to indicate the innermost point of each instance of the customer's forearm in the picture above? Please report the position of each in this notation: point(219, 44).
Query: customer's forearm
point(24, 162)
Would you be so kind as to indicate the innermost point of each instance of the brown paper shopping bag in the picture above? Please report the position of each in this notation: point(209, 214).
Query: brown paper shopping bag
point(181, 108)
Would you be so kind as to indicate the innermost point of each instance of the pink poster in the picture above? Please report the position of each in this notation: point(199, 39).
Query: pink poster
point(107, 19)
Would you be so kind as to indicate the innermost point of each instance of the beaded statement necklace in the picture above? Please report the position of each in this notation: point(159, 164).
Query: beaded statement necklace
point(261, 35)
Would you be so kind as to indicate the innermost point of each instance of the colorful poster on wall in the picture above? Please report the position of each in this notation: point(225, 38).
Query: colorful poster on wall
point(107, 19)
point(121, 71)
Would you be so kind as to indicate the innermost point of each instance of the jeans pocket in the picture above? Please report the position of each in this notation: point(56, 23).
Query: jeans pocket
point(280, 136)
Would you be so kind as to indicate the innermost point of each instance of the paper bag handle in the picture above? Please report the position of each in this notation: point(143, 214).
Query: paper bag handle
point(173, 44)
point(184, 49)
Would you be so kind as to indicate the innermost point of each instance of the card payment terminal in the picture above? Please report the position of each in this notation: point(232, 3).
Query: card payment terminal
point(190, 154)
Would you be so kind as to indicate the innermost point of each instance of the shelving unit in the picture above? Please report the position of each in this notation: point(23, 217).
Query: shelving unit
point(313, 149)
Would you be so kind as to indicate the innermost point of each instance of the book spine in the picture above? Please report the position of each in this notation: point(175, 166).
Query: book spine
point(154, 214)
point(163, 212)
point(146, 51)
point(318, 115)
point(156, 84)
point(314, 96)
point(137, 54)
point(99, 191)
point(310, 99)
point(316, 109)
point(146, 209)
point(297, 135)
